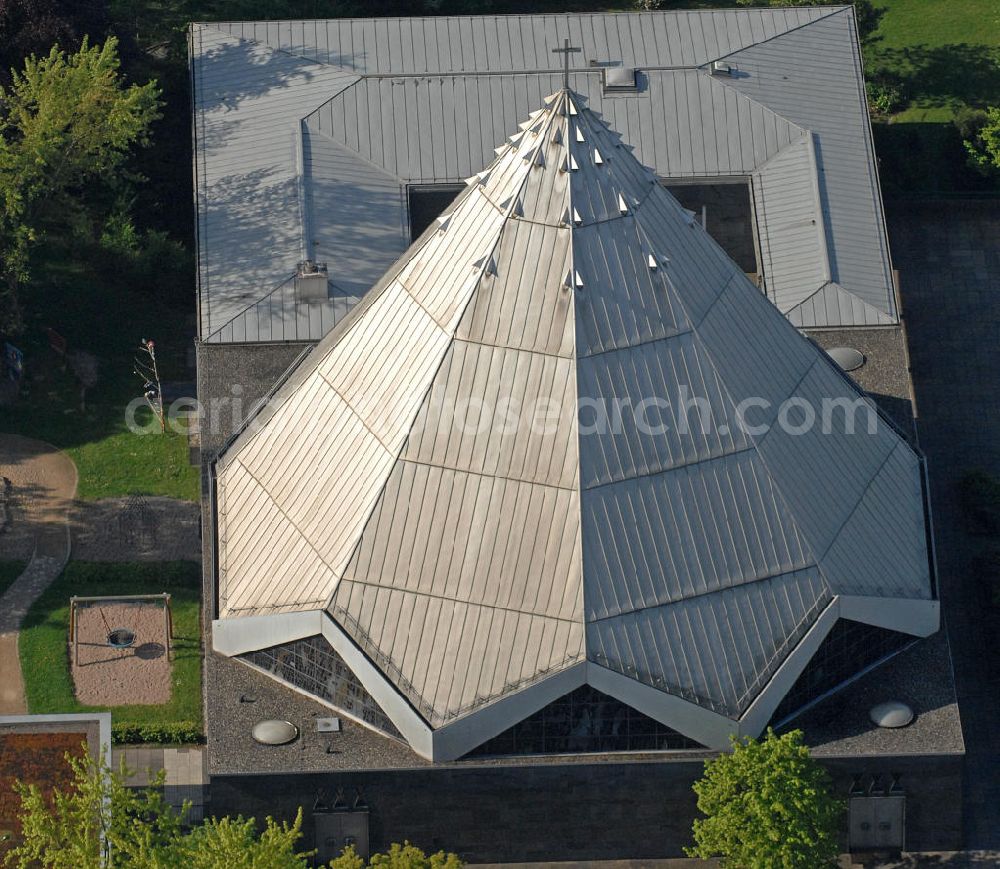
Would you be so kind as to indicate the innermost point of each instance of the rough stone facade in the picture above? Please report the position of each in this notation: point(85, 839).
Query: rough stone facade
point(601, 811)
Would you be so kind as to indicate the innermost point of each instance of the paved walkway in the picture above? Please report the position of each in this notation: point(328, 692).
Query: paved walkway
point(948, 254)
point(43, 485)
point(186, 774)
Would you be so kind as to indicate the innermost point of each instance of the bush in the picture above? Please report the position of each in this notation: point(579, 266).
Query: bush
point(980, 131)
point(979, 498)
point(166, 733)
point(150, 261)
point(884, 97)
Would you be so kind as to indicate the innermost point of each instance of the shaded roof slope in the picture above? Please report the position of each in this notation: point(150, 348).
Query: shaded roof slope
point(301, 164)
point(404, 481)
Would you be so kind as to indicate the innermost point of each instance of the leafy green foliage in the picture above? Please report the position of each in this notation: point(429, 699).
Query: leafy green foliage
point(96, 821)
point(768, 805)
point(33, 26)
point(99, 822)
point(884, 96)
point(982, 139)
point(405, 856)
point(65, 121)
point(233, 843)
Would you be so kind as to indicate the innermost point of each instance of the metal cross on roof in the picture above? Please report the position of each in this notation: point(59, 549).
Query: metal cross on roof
point(566, 51)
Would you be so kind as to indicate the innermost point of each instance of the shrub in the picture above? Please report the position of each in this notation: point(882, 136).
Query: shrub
point(885, 97)
point(166, 733)
point(980, 131)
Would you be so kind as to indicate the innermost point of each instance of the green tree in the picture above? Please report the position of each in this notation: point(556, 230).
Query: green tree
point(405, 856)
point(768, 805)
point(981, 136)
point(96, 821)
point(233, 843)
point(67, 120)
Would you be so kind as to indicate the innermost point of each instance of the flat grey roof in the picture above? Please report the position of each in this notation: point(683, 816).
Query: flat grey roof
point(308, 134)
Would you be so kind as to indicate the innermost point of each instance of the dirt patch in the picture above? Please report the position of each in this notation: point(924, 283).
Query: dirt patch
point(141, 528)
point(106, 676)
point(42, 482)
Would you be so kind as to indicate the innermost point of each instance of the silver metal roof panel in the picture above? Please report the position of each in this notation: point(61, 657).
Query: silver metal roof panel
point(470, 560)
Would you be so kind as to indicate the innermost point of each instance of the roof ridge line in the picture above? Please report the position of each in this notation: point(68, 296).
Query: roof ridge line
point(840, 288)
point(725, 391)
point(833, 9)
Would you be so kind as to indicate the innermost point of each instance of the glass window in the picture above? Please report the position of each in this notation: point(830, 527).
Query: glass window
point(313, 666)
point(585, 720)
point(426, 203)
point(847, 650)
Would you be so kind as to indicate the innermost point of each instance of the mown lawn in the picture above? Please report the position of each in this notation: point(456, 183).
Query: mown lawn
point(44, 650)
point(947, 53)
point(9, 571)
point(106, 318)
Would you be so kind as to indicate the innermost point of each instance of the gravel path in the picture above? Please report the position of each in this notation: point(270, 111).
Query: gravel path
point(43, 483)
point(138, 675)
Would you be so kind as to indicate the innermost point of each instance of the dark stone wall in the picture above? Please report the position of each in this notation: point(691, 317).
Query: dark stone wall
point(232, 378)
point(933, 788)
point(567, 812)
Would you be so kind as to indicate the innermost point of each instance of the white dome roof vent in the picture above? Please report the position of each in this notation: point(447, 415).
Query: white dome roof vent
point(892, 713)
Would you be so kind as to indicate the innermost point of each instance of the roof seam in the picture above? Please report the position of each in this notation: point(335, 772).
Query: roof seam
point(392, 589)
point(743, 582)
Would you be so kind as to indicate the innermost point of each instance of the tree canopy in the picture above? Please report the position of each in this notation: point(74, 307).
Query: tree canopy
point(981, 137)
point(768, 805)
point(96, 822)
point(67, 119)
point(405, 856)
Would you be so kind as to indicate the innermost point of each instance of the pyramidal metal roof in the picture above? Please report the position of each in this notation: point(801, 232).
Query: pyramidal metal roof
point(438, 480)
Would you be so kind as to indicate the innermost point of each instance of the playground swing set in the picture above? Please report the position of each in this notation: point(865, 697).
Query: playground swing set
point(119, 636)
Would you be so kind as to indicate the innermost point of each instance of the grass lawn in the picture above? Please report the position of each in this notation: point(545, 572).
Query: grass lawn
point(106, 319)
point(45, 656)
point(9, 571)
point(946, 54)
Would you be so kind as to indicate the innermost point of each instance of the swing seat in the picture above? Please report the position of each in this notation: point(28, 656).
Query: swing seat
point(121, 638)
